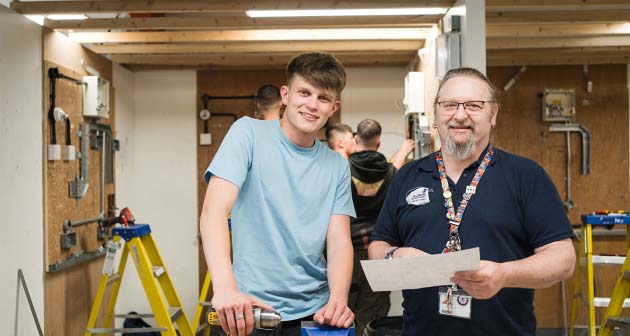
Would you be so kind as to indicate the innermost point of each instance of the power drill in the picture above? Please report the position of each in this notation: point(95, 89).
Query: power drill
point(263, 319)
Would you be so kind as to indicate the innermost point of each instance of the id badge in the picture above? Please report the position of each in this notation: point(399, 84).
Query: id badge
point(456, 303)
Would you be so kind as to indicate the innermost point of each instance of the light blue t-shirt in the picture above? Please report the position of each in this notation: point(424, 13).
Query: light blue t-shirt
point(281, 216)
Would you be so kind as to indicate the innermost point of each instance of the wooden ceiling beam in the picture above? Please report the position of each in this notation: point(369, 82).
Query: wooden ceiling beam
point(556, 60)
point(557, 29)
point(282, 59)
point(620, 15)
point(253, 35)
point(560, 42)
point(570, 52)
point(249, 47)
point(188, 6)
point(244, 22)
point(555, 5)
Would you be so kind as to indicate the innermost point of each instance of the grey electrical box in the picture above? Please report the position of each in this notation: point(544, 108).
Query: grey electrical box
point(96, 97)
point(558, 105)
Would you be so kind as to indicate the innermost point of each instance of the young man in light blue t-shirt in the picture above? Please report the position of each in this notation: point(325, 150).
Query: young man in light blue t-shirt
point(289, 197)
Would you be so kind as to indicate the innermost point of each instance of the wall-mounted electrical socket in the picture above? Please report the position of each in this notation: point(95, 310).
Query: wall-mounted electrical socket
point(67, 239)
point(205, 139)
point(54, 152)
point(69, 154)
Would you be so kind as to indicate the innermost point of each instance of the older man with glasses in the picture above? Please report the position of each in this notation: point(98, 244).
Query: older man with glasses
point(470, 194)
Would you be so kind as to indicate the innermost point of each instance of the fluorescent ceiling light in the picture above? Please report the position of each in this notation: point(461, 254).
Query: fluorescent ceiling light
point(347, 12)
point(39, 19)
point(67, 17)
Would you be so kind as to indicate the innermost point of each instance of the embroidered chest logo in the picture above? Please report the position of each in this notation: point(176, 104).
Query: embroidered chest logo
point(418, 196)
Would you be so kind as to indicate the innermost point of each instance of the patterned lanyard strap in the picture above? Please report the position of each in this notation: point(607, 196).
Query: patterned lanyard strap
point(455, 219)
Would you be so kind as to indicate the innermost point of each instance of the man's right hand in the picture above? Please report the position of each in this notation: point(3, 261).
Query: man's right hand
point(234, 310)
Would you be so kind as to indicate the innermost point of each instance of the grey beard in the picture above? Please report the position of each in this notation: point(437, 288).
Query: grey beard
point(461, 151)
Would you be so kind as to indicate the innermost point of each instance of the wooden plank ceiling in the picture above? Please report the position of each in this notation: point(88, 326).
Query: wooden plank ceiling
point(217, 33)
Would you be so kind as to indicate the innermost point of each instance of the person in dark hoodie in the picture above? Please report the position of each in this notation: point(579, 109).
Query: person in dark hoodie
point(371, 176)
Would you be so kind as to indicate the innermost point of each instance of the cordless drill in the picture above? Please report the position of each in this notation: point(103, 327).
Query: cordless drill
point(263, 319)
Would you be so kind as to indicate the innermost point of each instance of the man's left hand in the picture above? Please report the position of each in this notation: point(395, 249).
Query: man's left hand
point(335, 314)
point(483, 283)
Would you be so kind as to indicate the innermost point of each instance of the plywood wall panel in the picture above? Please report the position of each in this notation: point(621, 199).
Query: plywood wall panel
point(69, 293)
point(521, 130)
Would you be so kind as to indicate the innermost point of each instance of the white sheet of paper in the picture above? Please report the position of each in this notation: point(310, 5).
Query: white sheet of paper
point(418, 272)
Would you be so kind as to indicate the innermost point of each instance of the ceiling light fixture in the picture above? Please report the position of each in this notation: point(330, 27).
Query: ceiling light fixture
point(348, 12)
point(39, 19)
point(67, 17)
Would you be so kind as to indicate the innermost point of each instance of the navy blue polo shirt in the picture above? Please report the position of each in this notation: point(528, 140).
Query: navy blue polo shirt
point(516, 209)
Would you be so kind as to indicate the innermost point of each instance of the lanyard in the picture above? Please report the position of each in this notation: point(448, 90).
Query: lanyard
point(455, 218)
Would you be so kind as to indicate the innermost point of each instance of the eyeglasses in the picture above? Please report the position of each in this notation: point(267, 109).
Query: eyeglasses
point(469, 106)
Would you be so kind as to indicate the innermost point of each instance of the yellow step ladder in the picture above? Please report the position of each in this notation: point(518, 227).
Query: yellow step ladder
point(585, 262)
point(202, 328)
point(165, 304)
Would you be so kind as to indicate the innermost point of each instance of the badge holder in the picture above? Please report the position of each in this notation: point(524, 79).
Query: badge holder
point(454, 302)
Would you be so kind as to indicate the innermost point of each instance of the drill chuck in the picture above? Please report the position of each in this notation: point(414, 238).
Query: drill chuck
point(263, 319)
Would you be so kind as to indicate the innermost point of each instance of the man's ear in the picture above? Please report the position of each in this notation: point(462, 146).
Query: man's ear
point(284, 93)
point(494, 112)
point(336, 106)
point(339, 143)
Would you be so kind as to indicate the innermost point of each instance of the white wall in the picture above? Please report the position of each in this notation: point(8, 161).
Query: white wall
point(376, 93)
point(21, 195)
point(157, 172)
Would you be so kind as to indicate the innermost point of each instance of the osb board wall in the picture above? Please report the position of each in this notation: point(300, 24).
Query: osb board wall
point(59, 206)
point(69, 294)
point(604, 112)
point(228, 83)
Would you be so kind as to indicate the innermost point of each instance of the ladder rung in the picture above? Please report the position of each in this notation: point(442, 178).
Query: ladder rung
point(206, 303)
point(175, 313)
point(133, 315)
point(113, 278)
point(158, 271)
point(124, 330)
point(201, 328)
point(619, 322)
point(604, 302)
point(605, 260)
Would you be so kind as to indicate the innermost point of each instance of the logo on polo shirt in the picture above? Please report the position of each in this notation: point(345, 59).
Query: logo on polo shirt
point(418, 196)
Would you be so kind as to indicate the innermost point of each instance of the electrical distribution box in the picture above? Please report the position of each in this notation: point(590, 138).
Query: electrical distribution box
point(414, 92)
point(558, 105)
point(96, 97)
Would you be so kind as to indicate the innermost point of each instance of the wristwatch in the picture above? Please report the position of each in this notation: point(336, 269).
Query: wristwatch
point(390, 253)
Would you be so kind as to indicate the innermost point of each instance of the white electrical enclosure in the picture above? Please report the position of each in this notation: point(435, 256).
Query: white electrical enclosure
point(414, 92)
point(96, 97)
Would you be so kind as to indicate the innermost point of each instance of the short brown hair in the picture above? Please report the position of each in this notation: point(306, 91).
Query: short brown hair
point(333, 131)
point(267, 95)
point(467, 72)
point(318, 68)
point(369, 132)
